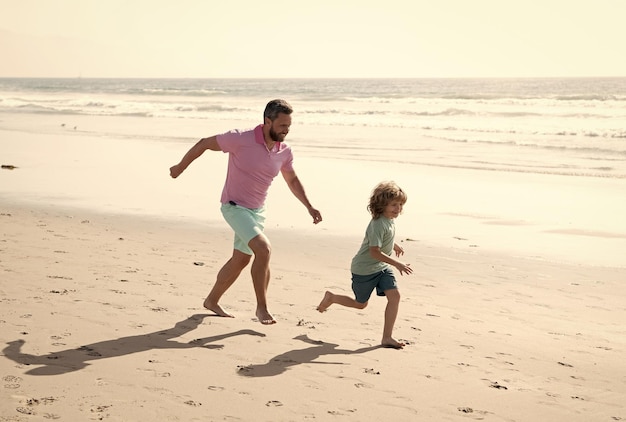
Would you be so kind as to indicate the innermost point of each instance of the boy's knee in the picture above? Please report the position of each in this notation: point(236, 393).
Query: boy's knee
point(393, 295)
point(362, 305)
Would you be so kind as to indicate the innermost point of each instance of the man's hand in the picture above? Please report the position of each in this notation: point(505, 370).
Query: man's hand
point(175, 171)
point(317, 216)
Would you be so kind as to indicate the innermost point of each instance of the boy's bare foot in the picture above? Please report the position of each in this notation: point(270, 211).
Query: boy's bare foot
point(392, 344)
point(326, 302)
point(214, 307)
point(265, 317)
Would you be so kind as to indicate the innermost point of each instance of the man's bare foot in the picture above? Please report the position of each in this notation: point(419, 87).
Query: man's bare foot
point(214, 307)
point(326, 302)
point(265, 317)
point(392, 344)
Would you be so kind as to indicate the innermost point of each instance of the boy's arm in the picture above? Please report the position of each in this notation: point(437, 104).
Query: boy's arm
point(398, 249)
point(377, 254)
point(194, 152)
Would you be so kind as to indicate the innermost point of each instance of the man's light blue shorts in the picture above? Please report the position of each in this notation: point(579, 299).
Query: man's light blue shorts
point(364, 285)
point(247, 223)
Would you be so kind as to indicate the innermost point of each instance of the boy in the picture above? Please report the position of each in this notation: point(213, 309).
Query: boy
point(371, 265)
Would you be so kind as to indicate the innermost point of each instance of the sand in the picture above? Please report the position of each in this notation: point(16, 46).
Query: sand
point(516, 309)
point(102, 320)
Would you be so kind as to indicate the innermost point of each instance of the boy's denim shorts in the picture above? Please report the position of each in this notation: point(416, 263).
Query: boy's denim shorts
point(364, 285)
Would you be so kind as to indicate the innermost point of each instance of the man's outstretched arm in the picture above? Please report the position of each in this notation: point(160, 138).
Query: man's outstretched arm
point(194, 152)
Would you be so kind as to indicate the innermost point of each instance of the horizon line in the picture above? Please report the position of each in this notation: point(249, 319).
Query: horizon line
point(313, 77)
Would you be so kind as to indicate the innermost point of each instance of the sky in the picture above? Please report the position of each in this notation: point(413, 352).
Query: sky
point(312, 38)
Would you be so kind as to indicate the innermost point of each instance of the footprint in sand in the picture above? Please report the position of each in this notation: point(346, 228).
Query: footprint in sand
point(100, 409)
point(59, 277)
point(89, 350)
point(498, 386)
point(241, 368)
point(12, 382)
point(193, 403)
point(159, 309)
point(60, 292)
point(274, 403)
point(57, 343)
point(363, 385)
point(26, 410)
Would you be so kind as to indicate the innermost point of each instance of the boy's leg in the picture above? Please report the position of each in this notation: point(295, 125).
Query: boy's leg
point(225, 278)
point(330, 298)
point(391, 312)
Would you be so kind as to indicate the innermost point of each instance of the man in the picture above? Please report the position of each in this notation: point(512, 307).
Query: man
point(255, 158)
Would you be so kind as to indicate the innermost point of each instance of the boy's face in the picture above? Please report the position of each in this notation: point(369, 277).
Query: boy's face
point(393, 209)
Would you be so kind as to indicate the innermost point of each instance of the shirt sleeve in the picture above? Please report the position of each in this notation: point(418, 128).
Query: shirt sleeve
point(229, 141)
point(374, 233)
point(288, 162)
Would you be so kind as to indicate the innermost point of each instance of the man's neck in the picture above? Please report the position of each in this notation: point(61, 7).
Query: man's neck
point(270, 144)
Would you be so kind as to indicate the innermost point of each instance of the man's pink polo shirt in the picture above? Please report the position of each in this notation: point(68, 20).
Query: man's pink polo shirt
point(251, 166)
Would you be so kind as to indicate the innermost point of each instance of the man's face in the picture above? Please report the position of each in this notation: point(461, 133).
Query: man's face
point(279, 128)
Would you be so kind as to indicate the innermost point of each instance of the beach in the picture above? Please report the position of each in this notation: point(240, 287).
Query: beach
point(102, 320)
point(515, 310)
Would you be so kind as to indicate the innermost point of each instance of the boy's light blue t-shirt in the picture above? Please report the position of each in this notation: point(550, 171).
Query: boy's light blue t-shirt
point(380, 232)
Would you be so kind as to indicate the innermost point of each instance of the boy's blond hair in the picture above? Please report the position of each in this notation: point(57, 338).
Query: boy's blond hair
point(383, 194)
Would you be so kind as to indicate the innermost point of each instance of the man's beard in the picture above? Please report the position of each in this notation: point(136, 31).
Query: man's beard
point(275, 137)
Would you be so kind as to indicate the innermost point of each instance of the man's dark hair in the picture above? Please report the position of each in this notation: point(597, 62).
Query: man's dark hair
point(274, 107)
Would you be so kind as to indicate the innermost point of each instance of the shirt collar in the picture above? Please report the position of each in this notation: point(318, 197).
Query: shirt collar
point(260, 139)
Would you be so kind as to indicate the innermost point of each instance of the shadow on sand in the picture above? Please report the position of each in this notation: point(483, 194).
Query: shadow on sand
point(70, 360)
point(280, 363)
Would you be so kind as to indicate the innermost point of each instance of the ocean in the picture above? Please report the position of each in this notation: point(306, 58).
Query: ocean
point(557, 126)
point(539, 162)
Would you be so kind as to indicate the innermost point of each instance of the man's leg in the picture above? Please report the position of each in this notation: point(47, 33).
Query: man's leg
point(225, 278)
point(262, 249)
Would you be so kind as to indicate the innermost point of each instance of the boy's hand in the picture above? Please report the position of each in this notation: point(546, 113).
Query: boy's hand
point(404, 268)
point(398, 249)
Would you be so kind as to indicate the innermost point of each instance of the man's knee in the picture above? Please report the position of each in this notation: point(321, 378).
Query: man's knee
point(240, 259)
point(261, 247)
point(361, 305)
